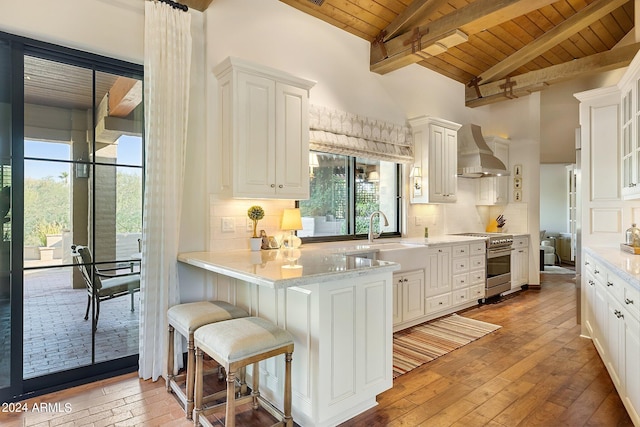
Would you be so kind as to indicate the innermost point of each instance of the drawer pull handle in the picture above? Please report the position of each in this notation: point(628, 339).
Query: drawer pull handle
point(591, 282)
point(596, 271)
point(618, 314)
point(628, 301)
point(440, 303)
point(609, 283)
point(586, 263)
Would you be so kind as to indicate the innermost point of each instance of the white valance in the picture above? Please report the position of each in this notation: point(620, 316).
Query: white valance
point(339, 132)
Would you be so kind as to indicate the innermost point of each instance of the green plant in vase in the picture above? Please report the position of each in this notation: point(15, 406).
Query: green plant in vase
point(255, 214)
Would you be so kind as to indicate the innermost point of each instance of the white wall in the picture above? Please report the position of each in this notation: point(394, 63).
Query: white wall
point(553, 198)
point(111, 28)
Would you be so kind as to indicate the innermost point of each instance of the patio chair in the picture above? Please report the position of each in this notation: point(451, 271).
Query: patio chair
point(105, 283)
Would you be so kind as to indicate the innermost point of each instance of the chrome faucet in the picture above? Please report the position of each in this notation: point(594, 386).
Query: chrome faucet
point(372, 234)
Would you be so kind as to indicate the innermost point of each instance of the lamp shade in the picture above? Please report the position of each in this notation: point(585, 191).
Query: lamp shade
point(291, 219)
point(416, 171)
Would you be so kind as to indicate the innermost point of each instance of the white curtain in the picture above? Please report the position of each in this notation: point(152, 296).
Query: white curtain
point(167, 64)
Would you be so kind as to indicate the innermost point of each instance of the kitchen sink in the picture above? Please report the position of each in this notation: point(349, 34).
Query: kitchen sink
point(410, 257)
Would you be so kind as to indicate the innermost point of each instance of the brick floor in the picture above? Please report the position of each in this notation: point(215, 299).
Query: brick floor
point(56, 336)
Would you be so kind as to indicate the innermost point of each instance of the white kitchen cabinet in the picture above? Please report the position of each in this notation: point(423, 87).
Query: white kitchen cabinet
point(409, 294)
point(263, 131)
point(629, 133)
point(438, 272)
point(436, 154)
point(520, 262)
point(612, 318)
point(494, 190)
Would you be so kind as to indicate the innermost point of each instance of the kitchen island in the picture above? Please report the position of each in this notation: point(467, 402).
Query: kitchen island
point(337, 306)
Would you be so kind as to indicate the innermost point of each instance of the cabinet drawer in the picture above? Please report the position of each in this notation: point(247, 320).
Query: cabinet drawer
point(477, 261)
point(438, 303)
point(476, 292)
point(615, 285)
point(624, 293)
point(477, 277)
point(460, 265)
point(460, 296)
point(461, 281)
point(477, 248)
point(460, 251)
point(520, 242)
point(632, 300)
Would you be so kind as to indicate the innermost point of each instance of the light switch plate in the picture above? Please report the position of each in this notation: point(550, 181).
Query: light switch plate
point(228, 225)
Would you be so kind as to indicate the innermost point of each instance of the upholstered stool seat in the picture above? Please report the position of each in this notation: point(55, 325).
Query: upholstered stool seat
point(235, 344)
point(186, 319)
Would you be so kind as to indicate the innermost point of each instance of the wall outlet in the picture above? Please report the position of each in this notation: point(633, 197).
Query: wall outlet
point(228, 225)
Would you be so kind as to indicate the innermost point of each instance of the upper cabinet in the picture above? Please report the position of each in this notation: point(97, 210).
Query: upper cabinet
point(494, 190)
point(630, 135)
point(434, 173)
point(263, 132)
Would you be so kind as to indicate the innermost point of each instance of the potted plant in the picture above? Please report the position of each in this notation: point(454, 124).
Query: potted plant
point(255, 214)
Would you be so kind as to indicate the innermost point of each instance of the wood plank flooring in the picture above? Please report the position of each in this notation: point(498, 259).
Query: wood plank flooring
point(534, 371)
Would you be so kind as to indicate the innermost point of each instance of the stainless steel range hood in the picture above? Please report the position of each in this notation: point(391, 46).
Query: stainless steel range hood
point(475, 158)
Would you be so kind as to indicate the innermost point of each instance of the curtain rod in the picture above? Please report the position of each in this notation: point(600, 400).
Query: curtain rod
point(175, 5)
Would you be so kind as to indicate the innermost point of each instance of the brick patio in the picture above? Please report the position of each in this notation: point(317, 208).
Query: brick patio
point(56, 336)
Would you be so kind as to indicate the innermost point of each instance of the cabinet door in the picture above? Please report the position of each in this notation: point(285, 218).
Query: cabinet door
point(631, 371)
point(412, 295)
point(292, 142)
point(255, 153)
point(519, 267)
point(438, 273)
point(443, 163)
point(600, 316)
point(397, 299)
point(614, 328)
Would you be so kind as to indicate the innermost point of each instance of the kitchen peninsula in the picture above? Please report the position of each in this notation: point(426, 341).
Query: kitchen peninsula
point(338, 308)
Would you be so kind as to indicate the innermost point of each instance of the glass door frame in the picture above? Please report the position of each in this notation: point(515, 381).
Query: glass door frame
point(20, 388)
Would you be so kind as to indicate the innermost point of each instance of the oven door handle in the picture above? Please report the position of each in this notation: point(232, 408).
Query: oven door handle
point(494, 253)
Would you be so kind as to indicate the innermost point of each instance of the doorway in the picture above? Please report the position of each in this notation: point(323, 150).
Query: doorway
point(72, 134)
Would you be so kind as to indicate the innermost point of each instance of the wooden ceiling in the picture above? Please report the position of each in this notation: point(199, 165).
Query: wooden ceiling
point(500, 48)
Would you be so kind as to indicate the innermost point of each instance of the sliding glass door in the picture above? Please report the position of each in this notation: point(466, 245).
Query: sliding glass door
point(5, 208)
point(77, 209)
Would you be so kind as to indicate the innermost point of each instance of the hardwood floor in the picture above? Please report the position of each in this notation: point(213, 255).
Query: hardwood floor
point(534, 371)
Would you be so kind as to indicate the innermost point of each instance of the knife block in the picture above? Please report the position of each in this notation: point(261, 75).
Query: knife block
point(492, 227)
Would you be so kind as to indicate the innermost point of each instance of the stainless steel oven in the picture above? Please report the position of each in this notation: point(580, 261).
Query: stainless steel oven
point(498, 270)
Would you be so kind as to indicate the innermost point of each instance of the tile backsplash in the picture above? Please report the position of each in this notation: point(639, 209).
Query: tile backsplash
point(230, 228)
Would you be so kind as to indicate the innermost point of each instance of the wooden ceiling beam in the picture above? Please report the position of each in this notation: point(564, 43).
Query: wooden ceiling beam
point(124, 96)
point(537, 80)
point(582, 19)
point(470, 19)
point(416, 13)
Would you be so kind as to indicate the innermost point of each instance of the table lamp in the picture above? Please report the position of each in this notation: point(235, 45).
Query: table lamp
point(292, 221)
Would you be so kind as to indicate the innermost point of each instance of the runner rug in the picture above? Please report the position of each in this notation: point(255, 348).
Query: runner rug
point(423, 343)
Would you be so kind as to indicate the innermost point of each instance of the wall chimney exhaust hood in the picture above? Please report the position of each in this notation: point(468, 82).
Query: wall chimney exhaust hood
point(475, 158)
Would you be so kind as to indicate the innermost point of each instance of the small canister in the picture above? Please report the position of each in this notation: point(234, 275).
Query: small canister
point(632, 236)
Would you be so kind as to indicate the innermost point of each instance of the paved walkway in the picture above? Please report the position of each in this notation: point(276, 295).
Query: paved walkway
point(56, 336)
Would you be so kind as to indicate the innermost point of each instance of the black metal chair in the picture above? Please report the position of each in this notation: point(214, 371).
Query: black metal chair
point(104, 283)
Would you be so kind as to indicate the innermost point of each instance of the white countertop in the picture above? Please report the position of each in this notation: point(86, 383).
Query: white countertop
point(311, 263)
point(623, 264)
point(284, 268)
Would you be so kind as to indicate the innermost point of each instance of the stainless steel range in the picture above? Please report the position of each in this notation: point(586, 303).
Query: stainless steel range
point(498, 262)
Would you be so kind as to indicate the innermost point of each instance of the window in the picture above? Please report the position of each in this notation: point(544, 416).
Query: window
point(344, 192)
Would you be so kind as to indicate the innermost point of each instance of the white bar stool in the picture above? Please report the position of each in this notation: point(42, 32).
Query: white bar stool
point(186, 319)
point(235, 344)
